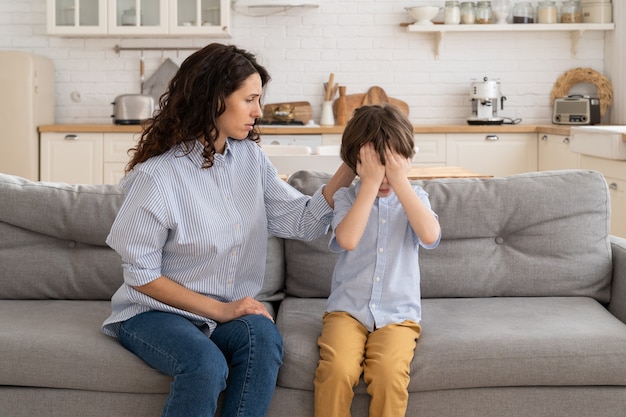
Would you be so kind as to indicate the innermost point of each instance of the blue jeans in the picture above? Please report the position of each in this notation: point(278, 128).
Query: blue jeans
point(241, 357)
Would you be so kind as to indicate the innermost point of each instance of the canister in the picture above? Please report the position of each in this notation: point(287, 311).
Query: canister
point(468, 12)
point(571, 12)
point(523, 12)
point(484, 13)
point(597, 13)
point(451, 13)
point(547, 12)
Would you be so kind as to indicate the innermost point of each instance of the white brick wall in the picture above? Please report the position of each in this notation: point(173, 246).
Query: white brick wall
point(360, 41)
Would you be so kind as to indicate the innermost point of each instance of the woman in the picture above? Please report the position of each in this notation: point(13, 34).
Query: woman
point(200, 199)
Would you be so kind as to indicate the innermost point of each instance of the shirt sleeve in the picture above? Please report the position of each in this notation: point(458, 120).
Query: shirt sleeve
point(343, 202)
point(140, 230)
point(291, 214)
point(423, 195)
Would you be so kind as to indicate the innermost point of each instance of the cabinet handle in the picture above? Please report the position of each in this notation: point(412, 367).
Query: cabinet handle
point(71, 137)
point(544, 138)
point(613, 186)
point(492, 138)
point(566, 140)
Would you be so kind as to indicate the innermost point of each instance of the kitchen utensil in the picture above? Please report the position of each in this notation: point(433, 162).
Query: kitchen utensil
point(297, 112)
point(423, 14)
point(342, 115)
point(158, 82)
point(377, 95)
point(331, 82)
point(132, 109)
point(142, 72)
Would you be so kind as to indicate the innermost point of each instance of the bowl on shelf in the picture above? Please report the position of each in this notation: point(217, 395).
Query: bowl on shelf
point(423, 14)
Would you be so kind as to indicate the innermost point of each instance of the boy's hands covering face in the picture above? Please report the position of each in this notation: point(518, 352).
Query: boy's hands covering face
point(369, 167)
point(397, 167)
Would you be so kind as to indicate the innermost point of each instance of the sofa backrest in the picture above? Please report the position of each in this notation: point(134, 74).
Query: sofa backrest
point(52, 242)
point(535, 234)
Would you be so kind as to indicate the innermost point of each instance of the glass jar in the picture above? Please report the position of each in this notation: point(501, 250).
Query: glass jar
point(523, 12)
point(484, 13)
point(451, 13)
point(547, 12)
point(468, 12)
point(571, 12)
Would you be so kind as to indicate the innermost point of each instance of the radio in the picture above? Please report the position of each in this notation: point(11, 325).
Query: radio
point(576, 110)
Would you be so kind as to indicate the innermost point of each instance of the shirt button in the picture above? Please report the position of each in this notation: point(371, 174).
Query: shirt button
point(381, 250)
point(383, 221)
point(377, 279)
point(373, 306)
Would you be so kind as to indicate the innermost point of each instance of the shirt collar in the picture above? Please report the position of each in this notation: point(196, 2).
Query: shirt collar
point(196, 153)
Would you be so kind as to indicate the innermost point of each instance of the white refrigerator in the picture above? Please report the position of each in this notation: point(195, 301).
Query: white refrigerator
point(27, 84)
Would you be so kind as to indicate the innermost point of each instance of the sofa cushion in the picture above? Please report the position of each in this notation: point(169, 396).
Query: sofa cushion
point(483, 342)
point(58, 344)
point(534, 234)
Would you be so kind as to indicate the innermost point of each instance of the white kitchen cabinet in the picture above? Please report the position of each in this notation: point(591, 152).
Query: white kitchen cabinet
point(141, 17)
point(331, 138)
point(85, 158)
point(137, 18)
point(615, 175)
point(498, 154)
point(74, 17)
point(431, 149)
point(554, 153)
point(74, 158)
point(115, 155)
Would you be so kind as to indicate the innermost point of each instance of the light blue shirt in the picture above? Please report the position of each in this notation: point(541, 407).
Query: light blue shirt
point(206, 229)
point(378, 282)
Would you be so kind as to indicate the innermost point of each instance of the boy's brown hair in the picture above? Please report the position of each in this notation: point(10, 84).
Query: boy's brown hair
point(384, 125)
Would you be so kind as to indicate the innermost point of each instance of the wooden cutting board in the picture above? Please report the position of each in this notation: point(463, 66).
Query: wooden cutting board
point(294, 110)
point(375, 95)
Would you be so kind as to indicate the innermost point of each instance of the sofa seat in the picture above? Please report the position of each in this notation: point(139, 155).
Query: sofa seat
point(58, 344)
point(483, 342)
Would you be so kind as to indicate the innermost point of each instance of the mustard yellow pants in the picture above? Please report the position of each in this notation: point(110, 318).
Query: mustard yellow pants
point(347, 350)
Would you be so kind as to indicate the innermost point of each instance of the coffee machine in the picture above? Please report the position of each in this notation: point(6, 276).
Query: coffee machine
point(485, 96)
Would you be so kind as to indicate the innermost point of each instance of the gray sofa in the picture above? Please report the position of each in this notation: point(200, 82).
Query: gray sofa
point(524, 304)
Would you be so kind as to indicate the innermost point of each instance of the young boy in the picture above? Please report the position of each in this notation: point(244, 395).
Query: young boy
point(371, 324)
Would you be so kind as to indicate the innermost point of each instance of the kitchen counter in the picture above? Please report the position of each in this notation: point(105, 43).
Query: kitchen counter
point(316, 130)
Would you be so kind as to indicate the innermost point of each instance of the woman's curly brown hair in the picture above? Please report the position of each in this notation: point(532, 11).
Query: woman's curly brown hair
point(194, 100)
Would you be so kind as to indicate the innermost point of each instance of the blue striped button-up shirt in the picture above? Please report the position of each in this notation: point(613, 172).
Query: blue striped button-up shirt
point(206, 229)
point(378, 282)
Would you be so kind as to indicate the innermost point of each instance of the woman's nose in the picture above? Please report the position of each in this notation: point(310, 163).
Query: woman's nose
point(257, 111)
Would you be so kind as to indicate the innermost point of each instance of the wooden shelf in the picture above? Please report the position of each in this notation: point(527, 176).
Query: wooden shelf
point(576, 30)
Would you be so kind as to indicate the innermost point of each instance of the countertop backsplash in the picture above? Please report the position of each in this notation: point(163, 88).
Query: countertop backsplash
point(361, 42)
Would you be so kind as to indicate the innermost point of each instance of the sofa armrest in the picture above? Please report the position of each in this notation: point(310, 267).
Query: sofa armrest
point(617, 305)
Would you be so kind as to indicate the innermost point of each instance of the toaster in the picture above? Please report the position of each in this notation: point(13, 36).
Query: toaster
point(132, 109)
point(576, 110)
